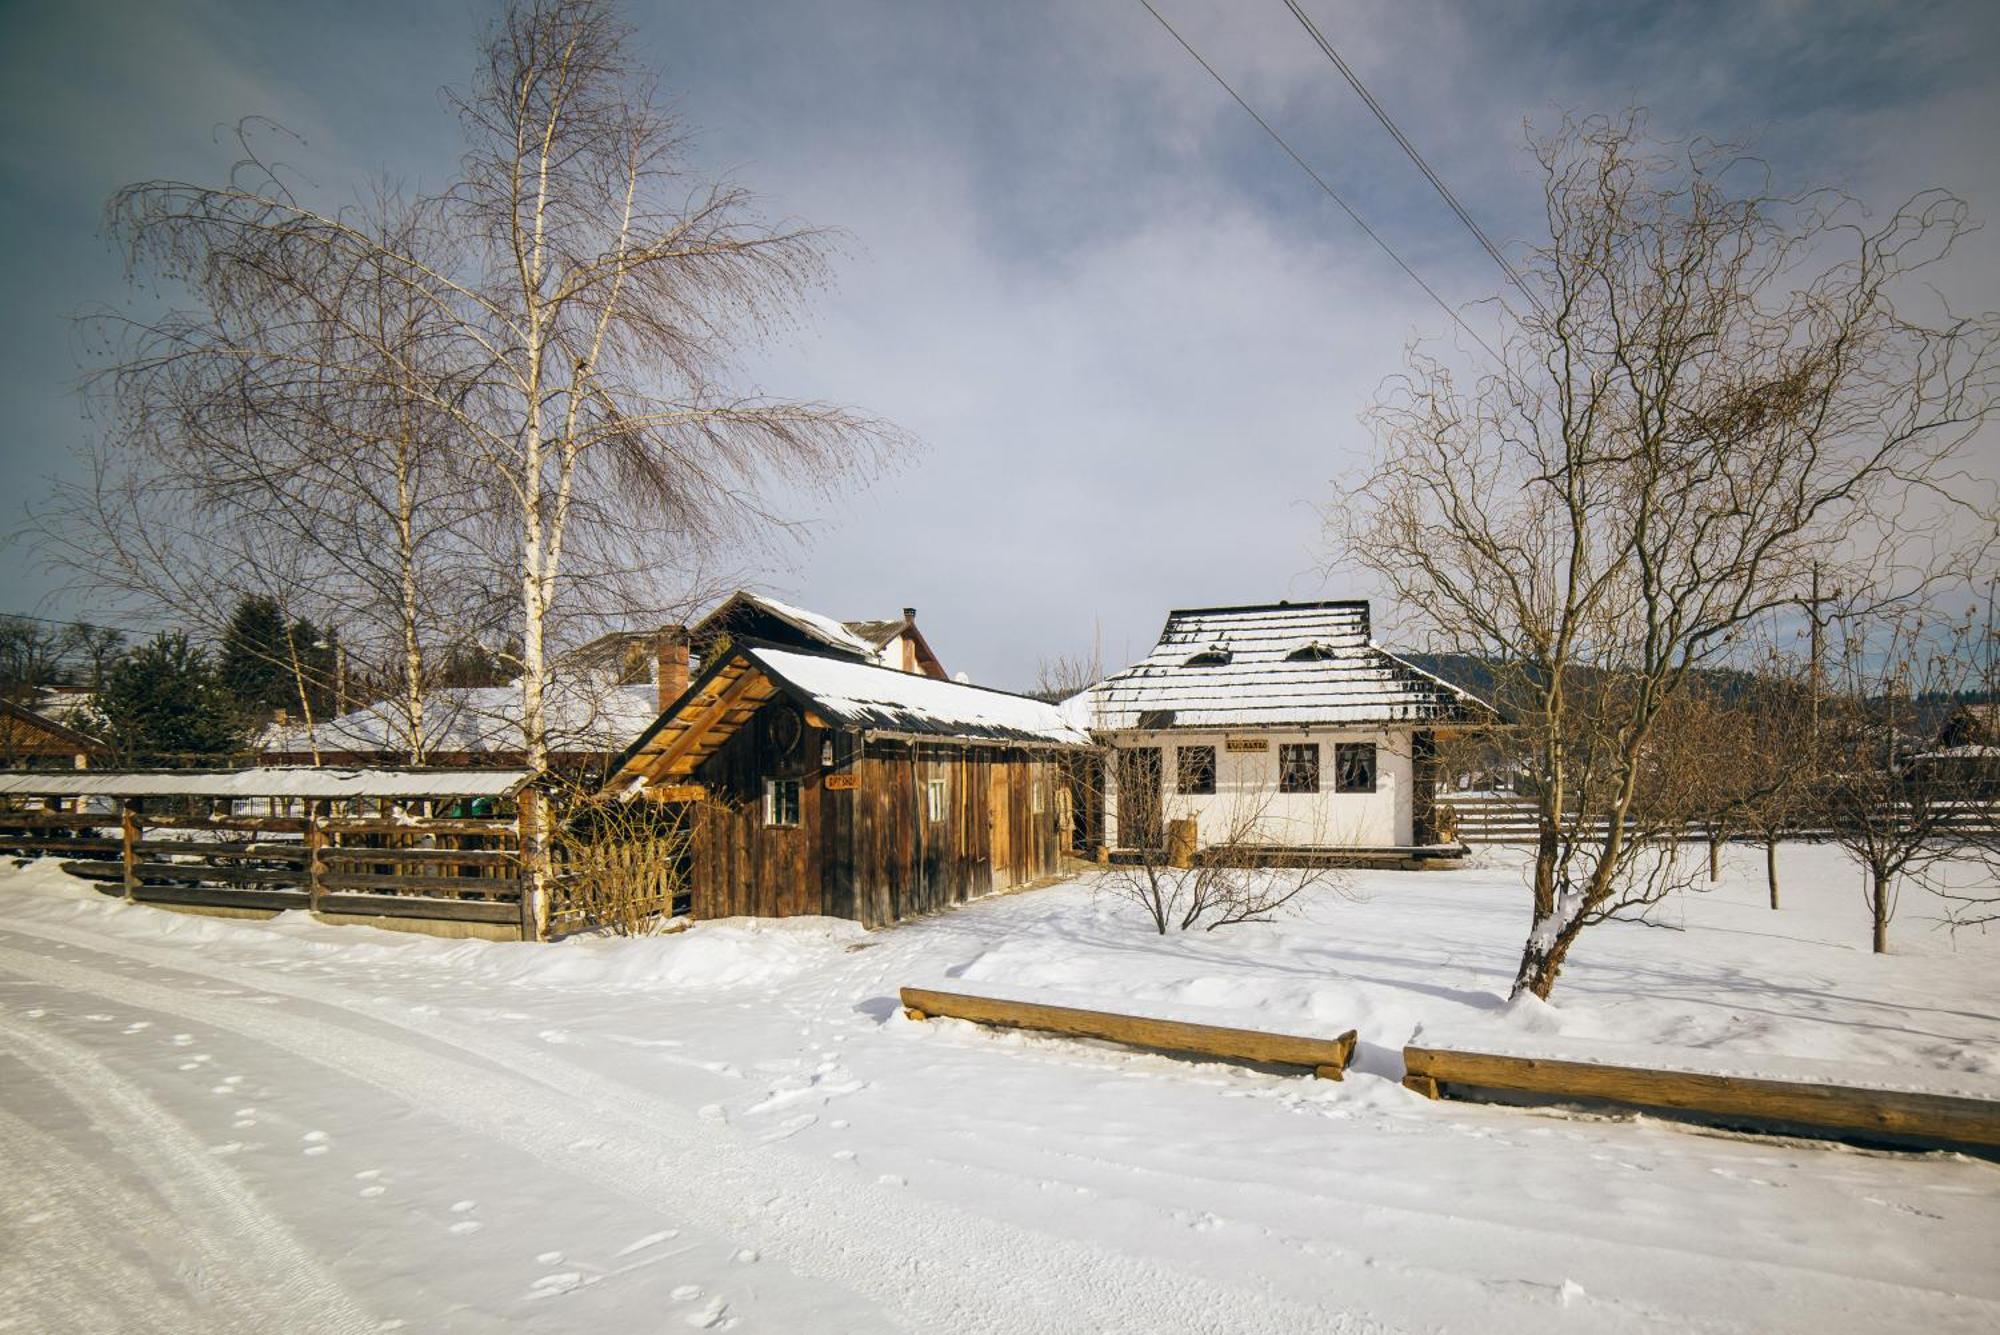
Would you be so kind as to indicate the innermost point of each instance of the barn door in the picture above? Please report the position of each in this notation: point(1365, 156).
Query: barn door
point(1139, 798)
point(1001, 814)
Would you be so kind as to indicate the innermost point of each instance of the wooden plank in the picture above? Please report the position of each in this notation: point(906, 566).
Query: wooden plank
point(51, 847)
point(55, 820)
point(202, 848)
point(507, 887)
point(416, 825)
point(200, 871)
point(252, 824)
point(350, 856)
point(128, 840)
point(96, 870)
point(1328, 1057)
point(220, 897)
point(413, 906)
point(1939, 1118)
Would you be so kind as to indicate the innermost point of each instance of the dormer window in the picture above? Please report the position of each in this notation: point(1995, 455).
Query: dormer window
point(1313, 651)
point(1216, 655)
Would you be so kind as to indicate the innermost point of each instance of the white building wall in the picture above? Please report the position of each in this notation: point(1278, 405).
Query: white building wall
point(1247, 801)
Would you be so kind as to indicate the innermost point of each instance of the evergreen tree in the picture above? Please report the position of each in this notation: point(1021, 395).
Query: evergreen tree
point(165, 701)
point(268, 665)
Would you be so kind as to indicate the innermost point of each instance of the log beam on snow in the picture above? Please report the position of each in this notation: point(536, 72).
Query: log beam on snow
point(1327, 1057)
point(1757, 1102)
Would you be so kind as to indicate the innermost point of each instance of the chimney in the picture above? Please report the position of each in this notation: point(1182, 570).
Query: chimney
point(672, 676)
point(909, 639)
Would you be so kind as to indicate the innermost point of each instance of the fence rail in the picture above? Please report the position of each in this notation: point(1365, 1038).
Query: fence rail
point(444, 869)
point(1489, 819)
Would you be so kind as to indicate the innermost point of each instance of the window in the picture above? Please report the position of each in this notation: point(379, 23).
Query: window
point(1196, 766)
point(1036, 780)
point(1215, 655)
point(934, 799)
point(1298, 767)
point(1354, 767)
point(781, 801)
point(1313, 651)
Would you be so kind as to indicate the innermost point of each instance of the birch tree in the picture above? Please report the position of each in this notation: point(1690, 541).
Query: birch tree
point(1713, 389)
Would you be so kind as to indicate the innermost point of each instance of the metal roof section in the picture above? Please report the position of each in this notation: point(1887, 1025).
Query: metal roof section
point(268, 781)
point(1271, 665)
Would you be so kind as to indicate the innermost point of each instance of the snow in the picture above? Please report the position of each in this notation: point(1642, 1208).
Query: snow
point(1288, 664)
point(223, 1125)
point(268, 781)
point(591, 714)
point(833, 634)
point(883, 699)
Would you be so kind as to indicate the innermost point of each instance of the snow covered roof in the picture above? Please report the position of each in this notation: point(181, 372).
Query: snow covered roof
point(590, 715)
point(268, 781)
point(758, 617)
point(841, 692)
point(860, 695)
point(1270, 665)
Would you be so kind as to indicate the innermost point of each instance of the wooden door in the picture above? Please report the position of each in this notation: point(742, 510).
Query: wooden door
point(1139, 798)
point(1000, 811)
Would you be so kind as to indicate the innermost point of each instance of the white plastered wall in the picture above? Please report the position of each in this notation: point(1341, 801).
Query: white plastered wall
point(1246, 790)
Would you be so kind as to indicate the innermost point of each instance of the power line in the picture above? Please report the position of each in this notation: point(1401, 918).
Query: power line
point(1320, 181)
point(1354, 80)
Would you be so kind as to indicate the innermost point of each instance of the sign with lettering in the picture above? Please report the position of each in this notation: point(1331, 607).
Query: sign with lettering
point(1249, 744)
point(841, 783)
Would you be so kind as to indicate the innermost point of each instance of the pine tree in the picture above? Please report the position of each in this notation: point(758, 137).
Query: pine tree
point(165, 702)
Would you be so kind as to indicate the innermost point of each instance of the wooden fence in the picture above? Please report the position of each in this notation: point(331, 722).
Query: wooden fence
point(1494, 818)
point(397, 866)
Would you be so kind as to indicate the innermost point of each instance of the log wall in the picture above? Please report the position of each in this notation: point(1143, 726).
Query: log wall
point(869, 851)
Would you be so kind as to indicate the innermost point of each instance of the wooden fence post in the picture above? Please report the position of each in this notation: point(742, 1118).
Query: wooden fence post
point(315, 845)
point(534, 864)
point(128, 826)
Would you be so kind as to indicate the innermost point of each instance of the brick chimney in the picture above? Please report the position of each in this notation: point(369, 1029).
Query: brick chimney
point(672, 676)
point(909, 639)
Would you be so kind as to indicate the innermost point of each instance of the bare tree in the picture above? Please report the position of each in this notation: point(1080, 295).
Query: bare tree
point(1714, 390)
point(1239, 869)
point(1900, 814)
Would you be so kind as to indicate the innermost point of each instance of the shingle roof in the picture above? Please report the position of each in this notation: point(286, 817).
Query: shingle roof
point(861, 695)
point(1270, 665)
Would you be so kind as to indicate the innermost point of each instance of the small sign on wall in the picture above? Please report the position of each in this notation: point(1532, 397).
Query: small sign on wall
point(841, 783)
point(1248, 744)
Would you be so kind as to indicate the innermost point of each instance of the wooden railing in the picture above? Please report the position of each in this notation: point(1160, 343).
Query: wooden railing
point(1498, 819)
point(441, 869)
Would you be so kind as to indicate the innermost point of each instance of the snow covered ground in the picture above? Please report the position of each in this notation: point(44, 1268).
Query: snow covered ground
point(231, 1126)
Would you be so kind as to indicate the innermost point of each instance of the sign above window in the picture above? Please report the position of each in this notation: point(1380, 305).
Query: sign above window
point(1249, 744)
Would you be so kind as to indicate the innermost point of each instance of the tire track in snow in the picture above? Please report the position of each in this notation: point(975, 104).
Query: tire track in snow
point(253, 1275)
point(985, 1276)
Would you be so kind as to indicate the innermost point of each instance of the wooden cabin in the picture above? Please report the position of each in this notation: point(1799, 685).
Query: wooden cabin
point(822, 783)
point(33, 740)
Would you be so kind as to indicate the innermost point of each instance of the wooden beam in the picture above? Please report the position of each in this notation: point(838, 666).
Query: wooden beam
point(711, 714)
point(128, 825)
point(1327, 1057)
point(1941, 1119)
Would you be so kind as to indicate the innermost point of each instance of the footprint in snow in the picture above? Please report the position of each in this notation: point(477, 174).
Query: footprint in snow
point(371, 1192)
point(368, 1175)
point(100, 1018)
point(650, 1240)
point(746, 1256)
point(549, 1258)
point(181, 1040)
point(465, 1226)
point(843, 1154)
point(708, 1315)
point(555, 1285)
point(891, 1180)
point(460, 1207)
point(711, 1112)
point(315, 1142)
point(136, 1027)
point(686, 1293)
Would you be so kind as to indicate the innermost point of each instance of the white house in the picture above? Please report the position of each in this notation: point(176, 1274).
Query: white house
point(1279, 727)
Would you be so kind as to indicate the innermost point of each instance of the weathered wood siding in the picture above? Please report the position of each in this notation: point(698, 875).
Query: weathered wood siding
point(870, 852)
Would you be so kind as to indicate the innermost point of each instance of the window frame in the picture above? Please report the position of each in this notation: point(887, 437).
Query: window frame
point(1182, 754)
point(1291, 755)
point(937, 798)
point(1341, 750)
point(774, 806)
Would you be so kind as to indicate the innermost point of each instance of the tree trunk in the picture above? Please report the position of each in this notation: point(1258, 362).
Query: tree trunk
point(1878, 904)
point(1714, 854)
point(1771, 868)
point(1542, 958)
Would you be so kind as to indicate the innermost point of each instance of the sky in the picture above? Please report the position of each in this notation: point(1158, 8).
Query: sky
point(1133, 340)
